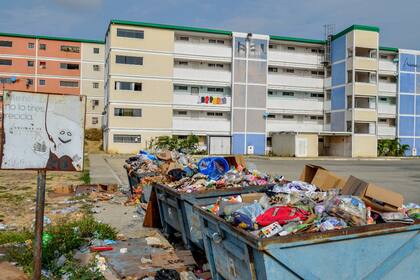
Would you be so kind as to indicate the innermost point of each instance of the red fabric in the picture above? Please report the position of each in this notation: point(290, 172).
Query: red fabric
point(282, 215)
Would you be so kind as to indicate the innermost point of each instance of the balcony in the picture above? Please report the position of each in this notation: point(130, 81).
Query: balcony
point(384, 130)
point(387, 87)
point(387, 66)
point(207, 76)
point(387, 109)
point(295, 58)
point(308, 105)
point(294, 125)
point(363, 63)
point(201, 125)
point(295, 82)
point(182, 100)
point(195, 49)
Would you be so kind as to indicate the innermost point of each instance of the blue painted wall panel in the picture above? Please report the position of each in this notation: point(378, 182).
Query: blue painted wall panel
point(407, 141)
point(407, 104)
point(238, 144)
point(417, 145)
point(338, 98)
point(338, 121)
point(407, 62)
point(418, 105)
point(417, 127)
point(338, 49)
point(407, 82)
point(338, 74)
point(406, 126)
point(418, 63)
point(258, 141)
point(418, 83)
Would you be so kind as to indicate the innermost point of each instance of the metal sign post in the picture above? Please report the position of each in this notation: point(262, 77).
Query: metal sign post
point(39, 223)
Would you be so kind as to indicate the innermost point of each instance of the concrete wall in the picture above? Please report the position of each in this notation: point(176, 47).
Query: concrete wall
point(364, 146)
point(312, 140)
point(283, 145)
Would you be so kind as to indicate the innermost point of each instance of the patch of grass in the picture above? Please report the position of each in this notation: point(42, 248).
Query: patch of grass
point(65, 238)
point(85, 177)
point(15, 236)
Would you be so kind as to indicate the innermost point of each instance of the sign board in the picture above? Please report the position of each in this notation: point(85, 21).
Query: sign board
point(43, 131)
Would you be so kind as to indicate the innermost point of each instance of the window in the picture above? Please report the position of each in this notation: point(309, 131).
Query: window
point(7, 62)
point(134, 60)
point(321, 118)
point(129, 33)
point(183, 38)
point(41, 82)
point(69, 66)
point(182, 62)
point(96, 67)
point(95, 102)
point(215, 114)
point(180, 88)
point(291, 48)
point(215, 65)
point(181, 113)
point(7, 44)
point(95, 85)
point(95, 120)
point(383, 99)
point(383, 78)
point(127, 112)
point(195, 89)
point(212, 41)
point(271, 46)
point(30, 63)
point(29, 82)
point(214, 89)
point(69, 84)
point(96, 50)
point(271, 116)
point(317, 95)
point(125, 138)
point(313, 117)
point(42, 64)
point(288, 70)
point(128, 86)
point(42, 47)
point(288, 117)
point(270, 92)
point(288, 93)
point(72, 49)
point(31, 45)
point(272, 69)
point(221, 42)
point(314, 50)
point(219, 65)
point(382, 120)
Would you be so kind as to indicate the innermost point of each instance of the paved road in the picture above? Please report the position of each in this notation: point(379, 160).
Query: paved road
point(399, 175)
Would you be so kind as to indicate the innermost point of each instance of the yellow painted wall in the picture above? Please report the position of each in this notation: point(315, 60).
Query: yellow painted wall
point(152, 91)
point(131, 148)
point(155, 39)
point(88, 54)
point(365, 89)
point(152, 117)
point(365, 115)
point(364, 146)
point(362, 63)
point(366, 39)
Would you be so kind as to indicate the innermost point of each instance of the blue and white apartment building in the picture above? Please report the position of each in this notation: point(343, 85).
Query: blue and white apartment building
point(245, 93)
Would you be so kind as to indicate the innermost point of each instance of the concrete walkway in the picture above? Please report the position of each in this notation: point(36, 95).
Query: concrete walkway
point(106, 169)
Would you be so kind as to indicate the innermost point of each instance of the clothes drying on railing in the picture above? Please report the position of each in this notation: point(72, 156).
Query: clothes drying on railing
point(212, 100)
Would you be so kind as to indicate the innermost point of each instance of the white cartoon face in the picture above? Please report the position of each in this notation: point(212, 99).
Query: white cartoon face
point(65, 136)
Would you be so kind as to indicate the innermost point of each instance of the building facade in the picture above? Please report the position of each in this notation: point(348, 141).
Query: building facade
point(238, 90)
point(55, 65)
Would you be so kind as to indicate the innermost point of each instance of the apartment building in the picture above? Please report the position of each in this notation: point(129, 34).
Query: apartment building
point(55, 65)
point(246, 93)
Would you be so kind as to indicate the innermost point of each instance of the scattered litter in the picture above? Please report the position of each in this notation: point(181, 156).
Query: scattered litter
point(100, 248)
point(66, 210)
point(123, 250)
point(167, 274)
point(3, 226)
point(144, 260)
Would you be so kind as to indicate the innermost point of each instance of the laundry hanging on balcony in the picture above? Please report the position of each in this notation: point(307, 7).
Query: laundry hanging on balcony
point(212, 100)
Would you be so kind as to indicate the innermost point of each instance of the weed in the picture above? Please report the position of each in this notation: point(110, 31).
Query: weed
point(85, 177)
point(14, 236)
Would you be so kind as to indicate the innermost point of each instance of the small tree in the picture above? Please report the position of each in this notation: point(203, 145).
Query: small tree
point(392, 147)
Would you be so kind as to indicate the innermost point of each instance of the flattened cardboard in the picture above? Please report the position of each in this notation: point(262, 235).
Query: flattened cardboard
point(235, 161)
point(251, 197)
point(326, 180)
point(376, 197)
point(308, 172)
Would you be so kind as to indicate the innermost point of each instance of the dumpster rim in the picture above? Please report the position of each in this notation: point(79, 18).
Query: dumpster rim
point(360, 231)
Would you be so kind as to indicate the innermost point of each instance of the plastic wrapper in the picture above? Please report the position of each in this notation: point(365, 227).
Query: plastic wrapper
point(349, 208)
point(331, 223)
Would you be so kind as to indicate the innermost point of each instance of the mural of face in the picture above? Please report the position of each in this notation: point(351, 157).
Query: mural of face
point(65, 136)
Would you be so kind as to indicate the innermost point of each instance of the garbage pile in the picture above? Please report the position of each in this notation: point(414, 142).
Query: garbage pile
point(297, 206)
point(182, 173)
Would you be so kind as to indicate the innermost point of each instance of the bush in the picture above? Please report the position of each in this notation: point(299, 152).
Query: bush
point(188, 145)
point(392, 147)
point(93, 134)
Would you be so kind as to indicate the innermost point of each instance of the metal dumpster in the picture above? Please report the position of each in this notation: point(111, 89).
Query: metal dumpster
point(382, 251)
point(176, 210)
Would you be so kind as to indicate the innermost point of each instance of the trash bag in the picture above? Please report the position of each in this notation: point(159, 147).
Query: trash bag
point(330, 223)
point(349, 208)
point(167, 274)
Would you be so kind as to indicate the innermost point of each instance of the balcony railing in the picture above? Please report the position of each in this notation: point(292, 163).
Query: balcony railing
point(295, 81)
point(387, 87)
point(299, 58)
point(295, 103)
point(197, 74)
point(201, 124)
point(384, 130)
point(183, 99)
point(387, 65)
point(297, 126)
point(388, 109)
point(202, 49)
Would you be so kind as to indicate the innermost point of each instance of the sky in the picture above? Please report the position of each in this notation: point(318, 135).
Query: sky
point(398, 20)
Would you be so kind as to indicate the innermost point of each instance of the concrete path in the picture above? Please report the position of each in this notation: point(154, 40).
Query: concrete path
point(107, 169)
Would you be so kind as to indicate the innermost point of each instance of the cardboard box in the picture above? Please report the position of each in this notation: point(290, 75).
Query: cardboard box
point(235, 161)
point(321, 177)
point(251, 197)
point(376, 197)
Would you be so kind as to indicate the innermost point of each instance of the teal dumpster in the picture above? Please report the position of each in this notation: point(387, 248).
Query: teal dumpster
point(176, 210)
point(382, 251)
